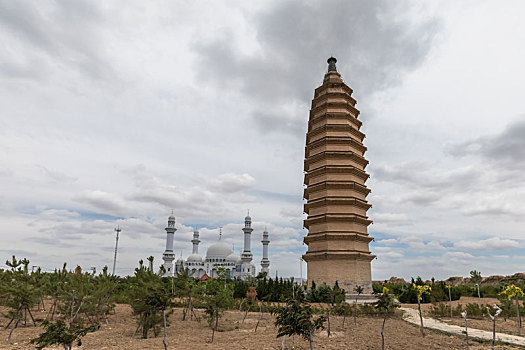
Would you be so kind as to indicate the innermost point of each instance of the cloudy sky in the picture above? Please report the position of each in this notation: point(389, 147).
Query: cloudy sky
point(116, 112)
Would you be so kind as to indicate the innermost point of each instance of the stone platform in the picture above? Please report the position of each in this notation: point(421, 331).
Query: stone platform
point(361, 298)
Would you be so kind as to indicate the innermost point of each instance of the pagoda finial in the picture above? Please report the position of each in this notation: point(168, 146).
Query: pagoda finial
point(331, 64)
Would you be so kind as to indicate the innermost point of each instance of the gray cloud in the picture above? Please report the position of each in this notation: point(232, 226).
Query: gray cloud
point(506, 148)
point(375, 42)
point(72, 37)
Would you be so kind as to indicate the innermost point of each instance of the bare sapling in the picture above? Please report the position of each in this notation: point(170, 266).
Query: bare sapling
point(464, 314)
point(493, 318)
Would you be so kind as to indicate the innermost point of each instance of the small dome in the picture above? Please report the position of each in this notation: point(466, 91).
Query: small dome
point(218, 250)
point(194, 258)
point(232, 257)
point(247, 218)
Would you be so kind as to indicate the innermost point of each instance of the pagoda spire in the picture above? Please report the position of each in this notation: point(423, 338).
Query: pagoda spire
point(331, 64)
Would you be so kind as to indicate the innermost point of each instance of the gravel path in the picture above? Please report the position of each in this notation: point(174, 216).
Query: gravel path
point(412, 316)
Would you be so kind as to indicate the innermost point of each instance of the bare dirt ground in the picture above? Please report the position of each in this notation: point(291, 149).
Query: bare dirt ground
point(235, 335)
point(509, 326)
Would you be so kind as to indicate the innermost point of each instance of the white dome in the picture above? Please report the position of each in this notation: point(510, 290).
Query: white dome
point(218, 250)
point(232, 257)
point(194, 258)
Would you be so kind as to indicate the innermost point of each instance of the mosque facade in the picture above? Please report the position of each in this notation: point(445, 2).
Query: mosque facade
point(218, 255)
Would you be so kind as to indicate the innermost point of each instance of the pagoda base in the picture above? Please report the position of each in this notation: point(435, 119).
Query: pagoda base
point(361, 298)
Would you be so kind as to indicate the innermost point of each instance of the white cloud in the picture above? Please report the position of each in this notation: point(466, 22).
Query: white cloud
point(494, 243)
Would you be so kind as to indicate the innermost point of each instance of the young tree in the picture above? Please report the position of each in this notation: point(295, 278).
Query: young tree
point(493, 318)
point(421, 290)
point(386, 303)
point(75, 302)
point(188, 288)
point(149, 299)
point(475, 277)
point(297, 318)
point(20, 294)
point(59, 333)
point(515, 292)
point(219, 297)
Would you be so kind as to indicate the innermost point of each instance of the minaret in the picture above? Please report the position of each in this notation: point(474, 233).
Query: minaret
point(168, 255)
point(335, 190)
point(195, 242)
point(246, 255)
point(265, 263)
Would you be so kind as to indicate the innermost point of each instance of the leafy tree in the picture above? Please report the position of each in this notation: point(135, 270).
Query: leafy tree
point(149, 299)
point(515, 292)
point(386, 304)
point(58, 333)
point(421, 290)
point(297, 318)
point(187, 287)
point(218, 297)
point(20, 294)
point(475, 277)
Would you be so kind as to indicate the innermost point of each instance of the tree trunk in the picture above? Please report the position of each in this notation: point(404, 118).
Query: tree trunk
point(12, 329)
point(450, 298)
point(260, 317)
point(420, 317)
point(32, 318)
point(284, 340)
point(493, 332)
point(466, 330)
point(164, 341)
point(479, 295)
point(328, 318)
point(311, 338)
point(355, 312)
point(344, 317)
point(293, 341)
point(15, 316)
point(383, 333)
point(43, 304)
point(518, 314)
point(240, 306)
point(245, 314)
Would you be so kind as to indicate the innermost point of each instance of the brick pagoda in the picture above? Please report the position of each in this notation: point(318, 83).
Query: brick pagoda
point(335, 190)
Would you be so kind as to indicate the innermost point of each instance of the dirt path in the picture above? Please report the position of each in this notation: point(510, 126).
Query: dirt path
point(412, 316)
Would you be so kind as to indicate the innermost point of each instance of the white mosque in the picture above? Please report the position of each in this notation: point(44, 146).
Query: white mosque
point(218, 255)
